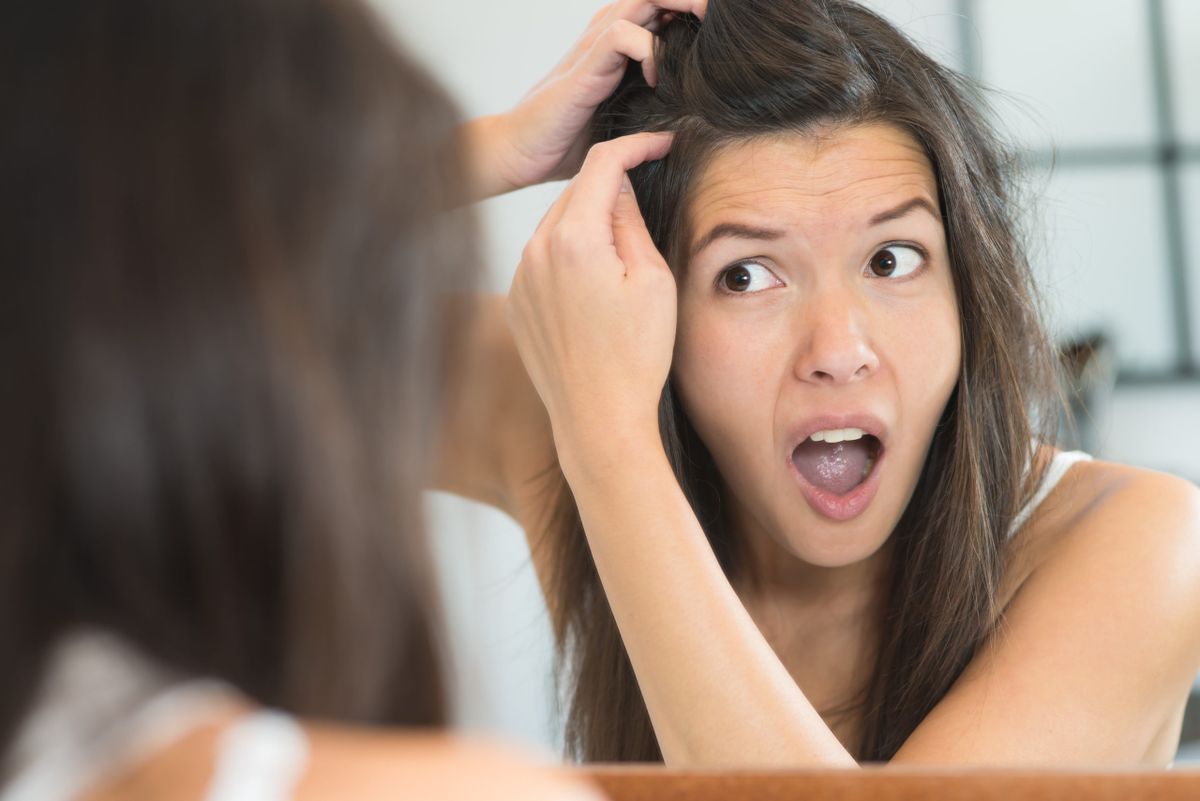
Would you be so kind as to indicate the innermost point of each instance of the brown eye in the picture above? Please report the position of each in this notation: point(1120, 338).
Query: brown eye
point(896, 261)
point(747, 277)
point(737, 278)
point(883, 263)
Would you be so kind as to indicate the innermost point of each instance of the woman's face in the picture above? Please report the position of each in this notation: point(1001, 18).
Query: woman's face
point(818, 298)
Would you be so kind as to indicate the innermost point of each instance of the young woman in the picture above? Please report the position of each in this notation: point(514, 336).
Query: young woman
point(225, 244)
point(841, 532)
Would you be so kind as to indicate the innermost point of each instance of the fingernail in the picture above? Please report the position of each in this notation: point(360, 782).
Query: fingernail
point(626, 185)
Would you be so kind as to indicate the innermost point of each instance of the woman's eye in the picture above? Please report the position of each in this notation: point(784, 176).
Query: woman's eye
point(896, 261)
point(747, 276)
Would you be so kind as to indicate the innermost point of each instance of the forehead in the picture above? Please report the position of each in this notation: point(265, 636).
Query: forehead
point(830, 176)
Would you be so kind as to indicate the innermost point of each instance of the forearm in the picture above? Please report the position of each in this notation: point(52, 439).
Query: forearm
point(483, 144)
point(716, 692)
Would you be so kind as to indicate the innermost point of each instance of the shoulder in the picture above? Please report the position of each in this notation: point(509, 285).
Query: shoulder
point(1096, 647)
point(1109, 506)
point(1144, 526)
point(1106, 513)
point(1117, 555)
point(365, 764)
point(1121, 509)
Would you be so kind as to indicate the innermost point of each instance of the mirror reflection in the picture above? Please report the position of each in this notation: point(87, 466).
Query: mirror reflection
point(881, 607)
point(818, 392)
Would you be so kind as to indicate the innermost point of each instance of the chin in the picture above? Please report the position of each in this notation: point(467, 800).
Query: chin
point(829, 544)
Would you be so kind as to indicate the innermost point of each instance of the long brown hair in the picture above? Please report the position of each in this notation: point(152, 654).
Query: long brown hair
point(761, 67)
point(223, 252)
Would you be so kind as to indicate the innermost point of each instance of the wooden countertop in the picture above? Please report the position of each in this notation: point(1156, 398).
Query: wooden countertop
point(654, 783)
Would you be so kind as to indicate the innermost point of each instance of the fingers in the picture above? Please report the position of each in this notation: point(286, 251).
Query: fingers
point(631, 238)
point(595, 190)
point(593, 214)
point(619, 41)
point(643, 12)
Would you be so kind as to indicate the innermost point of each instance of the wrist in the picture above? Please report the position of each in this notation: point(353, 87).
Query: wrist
point(592, 454)
point(486, 148)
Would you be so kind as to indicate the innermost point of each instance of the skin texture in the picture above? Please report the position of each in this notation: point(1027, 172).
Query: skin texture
point(825, 334)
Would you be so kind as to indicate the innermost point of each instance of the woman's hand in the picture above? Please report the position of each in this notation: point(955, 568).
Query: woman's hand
point(544, 137)
point(592, 309)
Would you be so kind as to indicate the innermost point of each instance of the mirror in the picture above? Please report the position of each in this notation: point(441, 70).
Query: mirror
point(1105, 108)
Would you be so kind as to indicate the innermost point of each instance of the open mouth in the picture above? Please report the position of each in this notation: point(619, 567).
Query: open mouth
point(837, 461)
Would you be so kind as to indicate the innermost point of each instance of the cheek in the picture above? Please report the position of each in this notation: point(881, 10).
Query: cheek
point(929, 357)
point(723, 377)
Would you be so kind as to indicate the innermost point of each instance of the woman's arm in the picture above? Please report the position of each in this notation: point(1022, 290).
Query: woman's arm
point(545, 137)
point(717, 694)
point(495, 436)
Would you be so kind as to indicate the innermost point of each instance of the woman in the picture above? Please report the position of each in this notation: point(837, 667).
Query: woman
point(226, 241)
point(794, 378)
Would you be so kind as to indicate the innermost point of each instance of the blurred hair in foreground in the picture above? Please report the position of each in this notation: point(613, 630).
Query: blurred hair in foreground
point(225, 238)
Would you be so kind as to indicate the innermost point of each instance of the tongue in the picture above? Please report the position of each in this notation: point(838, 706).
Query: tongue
point(838, 467)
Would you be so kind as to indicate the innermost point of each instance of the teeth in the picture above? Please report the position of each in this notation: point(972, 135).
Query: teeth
point(838, 435)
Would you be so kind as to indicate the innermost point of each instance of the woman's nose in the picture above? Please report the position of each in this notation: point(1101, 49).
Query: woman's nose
point(834, 348)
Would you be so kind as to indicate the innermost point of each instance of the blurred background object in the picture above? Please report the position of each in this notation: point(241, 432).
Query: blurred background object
point(1103, 104)
point(1089, 375)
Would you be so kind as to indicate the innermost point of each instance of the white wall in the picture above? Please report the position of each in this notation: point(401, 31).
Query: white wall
point(489, 53)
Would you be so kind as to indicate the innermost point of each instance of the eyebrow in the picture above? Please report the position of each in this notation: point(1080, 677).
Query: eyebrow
point(905, 208)
point(735, 231)
point(740, 231)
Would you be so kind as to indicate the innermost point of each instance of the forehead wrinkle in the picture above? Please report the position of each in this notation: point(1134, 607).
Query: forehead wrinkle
point(854, 201)
point(724, 186)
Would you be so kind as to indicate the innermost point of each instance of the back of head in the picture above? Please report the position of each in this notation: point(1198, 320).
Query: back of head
point(760, 68)
point(225, 244)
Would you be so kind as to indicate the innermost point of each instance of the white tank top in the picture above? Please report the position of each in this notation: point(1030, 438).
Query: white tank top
point(1057, 468)
point(103, 707)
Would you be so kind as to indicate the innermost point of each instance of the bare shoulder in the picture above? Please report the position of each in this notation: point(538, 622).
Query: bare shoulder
point(1110, 506)
point(1121, 508)
point(365, 765)
point(1146, 520)
point(1118, 550)
point(1096, 648)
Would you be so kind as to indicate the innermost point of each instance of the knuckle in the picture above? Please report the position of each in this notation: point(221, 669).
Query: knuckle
point(620, 30)
point(567, 244)
point(529, 255)
point(601, 152)
point(534, 252)
point(560, 243)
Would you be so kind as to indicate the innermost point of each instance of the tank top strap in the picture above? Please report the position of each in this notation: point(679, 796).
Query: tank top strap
point(260, 757)
point(102, 706)
point(1057, 468)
